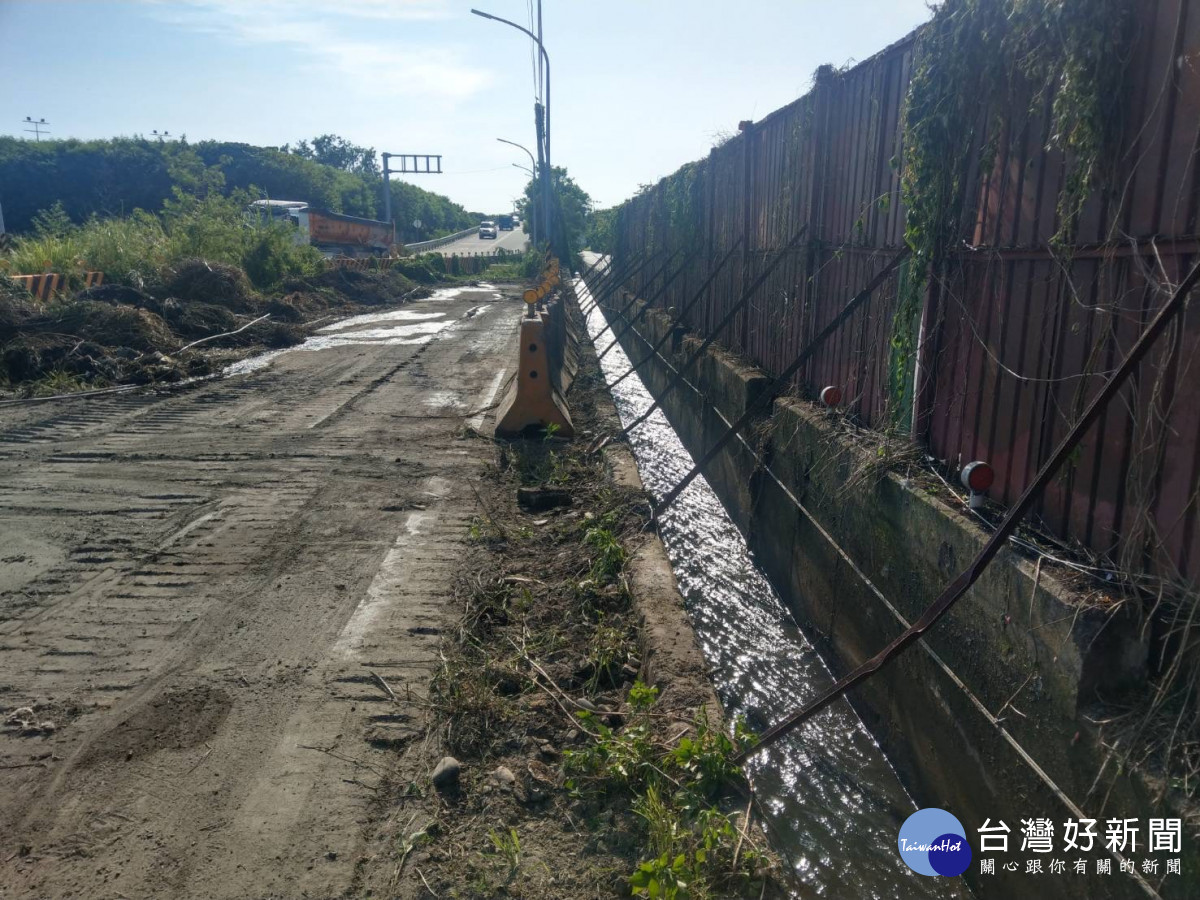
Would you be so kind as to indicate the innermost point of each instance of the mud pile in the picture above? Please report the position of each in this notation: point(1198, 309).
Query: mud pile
point(116, 334)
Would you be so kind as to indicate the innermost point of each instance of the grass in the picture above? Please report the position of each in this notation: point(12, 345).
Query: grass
point(523, 268)
point(135, 249)
point(693, 848)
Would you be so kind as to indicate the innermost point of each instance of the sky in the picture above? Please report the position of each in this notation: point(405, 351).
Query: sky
point(637, 88)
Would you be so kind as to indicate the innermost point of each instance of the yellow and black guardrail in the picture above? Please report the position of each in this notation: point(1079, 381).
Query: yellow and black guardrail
point(46, 285)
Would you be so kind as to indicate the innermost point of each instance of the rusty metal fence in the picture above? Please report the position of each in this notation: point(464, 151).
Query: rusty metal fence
point(1016, 338)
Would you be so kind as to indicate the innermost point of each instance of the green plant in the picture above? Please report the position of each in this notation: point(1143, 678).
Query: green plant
point(606, 654)
point(610, 555)
point(642, 696)
point(509, 847)
point(61, 382)
point(484, 530)
point(707, 759)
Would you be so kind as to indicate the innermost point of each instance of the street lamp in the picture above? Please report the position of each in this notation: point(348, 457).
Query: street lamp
point(532, 161)
point(532, 171)
point(546, 60)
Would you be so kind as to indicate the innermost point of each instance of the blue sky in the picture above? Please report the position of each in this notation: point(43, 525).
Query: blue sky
point(639, 88)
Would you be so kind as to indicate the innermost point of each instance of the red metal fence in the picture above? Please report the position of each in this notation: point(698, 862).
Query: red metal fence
point(1015, 340)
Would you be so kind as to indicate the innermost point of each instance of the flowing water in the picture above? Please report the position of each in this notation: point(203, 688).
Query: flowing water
point(834, 804)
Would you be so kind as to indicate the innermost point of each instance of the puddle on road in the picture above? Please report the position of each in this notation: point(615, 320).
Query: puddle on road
point(396, 315)
point(834, 803)
point(397, 327)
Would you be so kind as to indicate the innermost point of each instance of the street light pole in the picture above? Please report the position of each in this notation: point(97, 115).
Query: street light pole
point(546, 142)
point(532, 171)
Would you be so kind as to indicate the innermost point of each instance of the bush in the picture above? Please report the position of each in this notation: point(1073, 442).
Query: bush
point(135, 249)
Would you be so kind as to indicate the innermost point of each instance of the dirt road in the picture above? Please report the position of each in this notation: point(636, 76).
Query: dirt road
point(201, 590)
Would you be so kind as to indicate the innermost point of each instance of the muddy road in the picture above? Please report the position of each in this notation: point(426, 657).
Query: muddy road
point(202, 591)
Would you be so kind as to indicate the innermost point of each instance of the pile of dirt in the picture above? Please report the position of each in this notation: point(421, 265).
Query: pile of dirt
point(16, 308)
point(113, 326)
point(374, 288)
point(208, 282)
point(117, 295)
point(116, 333)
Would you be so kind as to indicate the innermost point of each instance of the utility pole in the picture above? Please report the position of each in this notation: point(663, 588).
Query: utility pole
point(540, 123)
point(161, 135)
point(410, 164)
point(544, 61)
point(39, 125)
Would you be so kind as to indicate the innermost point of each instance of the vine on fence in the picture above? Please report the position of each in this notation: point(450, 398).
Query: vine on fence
point(982, 65)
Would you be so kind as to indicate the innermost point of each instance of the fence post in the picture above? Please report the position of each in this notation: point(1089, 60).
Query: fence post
point(748, 243)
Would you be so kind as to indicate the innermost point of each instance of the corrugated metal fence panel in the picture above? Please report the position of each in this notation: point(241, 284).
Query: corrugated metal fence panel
point(1022, 338)
point(1027, 339)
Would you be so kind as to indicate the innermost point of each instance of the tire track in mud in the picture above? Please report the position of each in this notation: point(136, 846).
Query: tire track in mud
point(190, 565)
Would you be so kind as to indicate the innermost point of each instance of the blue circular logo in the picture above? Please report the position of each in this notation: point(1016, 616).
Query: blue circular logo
point(933, 842)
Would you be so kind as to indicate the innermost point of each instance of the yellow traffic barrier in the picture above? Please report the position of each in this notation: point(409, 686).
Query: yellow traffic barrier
point(546, 365)
point(532, 401)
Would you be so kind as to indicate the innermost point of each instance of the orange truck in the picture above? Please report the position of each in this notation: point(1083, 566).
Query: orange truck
point(333, 234)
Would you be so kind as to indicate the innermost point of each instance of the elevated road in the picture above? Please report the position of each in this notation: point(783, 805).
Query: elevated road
point(516, 240)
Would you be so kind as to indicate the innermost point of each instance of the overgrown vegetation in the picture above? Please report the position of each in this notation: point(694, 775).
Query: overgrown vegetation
point(985, 71)
point(185, 264)
point(134, 250)
point(518, 267)
point(184, 291)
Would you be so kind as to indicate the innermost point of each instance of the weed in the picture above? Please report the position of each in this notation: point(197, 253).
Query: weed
point(642, 696)
point(607, 652)
point(59, 381)
point(610, 555)
point(484, 530)
point(465, 688)
point(509, 847)
point(693, 846)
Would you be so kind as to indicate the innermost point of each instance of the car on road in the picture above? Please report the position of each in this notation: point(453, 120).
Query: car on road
point(506, 223)
point(487, 229)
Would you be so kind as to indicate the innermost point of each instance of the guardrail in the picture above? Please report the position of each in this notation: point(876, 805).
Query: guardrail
point(45, 285)
point(423, 246)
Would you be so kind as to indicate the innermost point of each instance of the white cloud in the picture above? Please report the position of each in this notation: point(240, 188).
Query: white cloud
point(387, 65)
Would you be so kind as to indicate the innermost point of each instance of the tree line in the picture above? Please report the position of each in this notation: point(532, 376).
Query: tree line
point(112, 178)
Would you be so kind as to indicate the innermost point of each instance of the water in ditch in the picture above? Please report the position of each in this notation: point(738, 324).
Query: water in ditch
point(833, 803)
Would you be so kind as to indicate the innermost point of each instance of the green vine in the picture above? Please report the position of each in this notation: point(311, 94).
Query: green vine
point(982, 65)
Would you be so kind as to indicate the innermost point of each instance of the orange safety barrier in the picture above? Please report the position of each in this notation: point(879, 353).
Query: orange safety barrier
point(546, 365)
point(93, 279)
